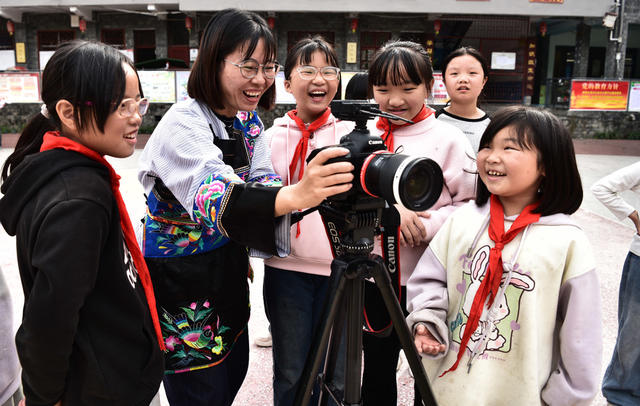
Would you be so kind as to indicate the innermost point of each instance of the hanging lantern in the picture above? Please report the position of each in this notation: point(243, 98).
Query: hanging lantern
point(188, 23)
point(82, 25)
point(543, 28)
point(436, 26)
point(11, 28)
point(354, 25)
point(271, 22)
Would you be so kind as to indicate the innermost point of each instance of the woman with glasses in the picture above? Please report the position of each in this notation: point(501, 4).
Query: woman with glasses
point(211, 193)
point(90, 333)
point(295, 286)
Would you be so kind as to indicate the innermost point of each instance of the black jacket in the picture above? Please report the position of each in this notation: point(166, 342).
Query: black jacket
point(86, 335)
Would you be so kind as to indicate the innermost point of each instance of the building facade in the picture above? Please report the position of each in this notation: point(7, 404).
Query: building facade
point(534, 47)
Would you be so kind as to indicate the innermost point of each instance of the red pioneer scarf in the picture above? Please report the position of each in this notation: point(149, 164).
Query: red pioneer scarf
point(388, 127)
point(491, 282)
point(53, 140)
point(300, 154)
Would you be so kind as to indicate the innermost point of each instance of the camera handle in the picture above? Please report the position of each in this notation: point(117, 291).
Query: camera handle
point(344, 303)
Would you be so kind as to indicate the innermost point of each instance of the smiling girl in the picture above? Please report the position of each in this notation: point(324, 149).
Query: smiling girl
point(90, 333)
point(295, 286)
point(211, 194)
point(465, 74)
point(400, 77)
point(512, 317)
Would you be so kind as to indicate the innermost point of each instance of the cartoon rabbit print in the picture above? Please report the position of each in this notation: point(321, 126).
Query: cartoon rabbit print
point(487, 336)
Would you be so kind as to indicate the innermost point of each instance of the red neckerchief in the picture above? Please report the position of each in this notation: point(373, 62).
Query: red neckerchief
point(300, 154)
point(52, 140)
point(491, 282)
point(388, 127)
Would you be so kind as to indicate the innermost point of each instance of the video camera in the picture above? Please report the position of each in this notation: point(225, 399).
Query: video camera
point(351, 218)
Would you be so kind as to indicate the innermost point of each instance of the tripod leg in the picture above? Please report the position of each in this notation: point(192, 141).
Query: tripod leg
point(333, 350)
point(335, 294)
point(383, 282)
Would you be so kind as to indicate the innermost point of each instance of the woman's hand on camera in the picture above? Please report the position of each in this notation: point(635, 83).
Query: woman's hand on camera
point(319, 182)
point(412, 230)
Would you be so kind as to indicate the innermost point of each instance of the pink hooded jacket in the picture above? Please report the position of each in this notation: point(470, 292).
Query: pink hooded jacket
point(310, 252)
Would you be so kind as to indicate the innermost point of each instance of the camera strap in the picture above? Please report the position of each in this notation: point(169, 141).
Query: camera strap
point(376, 317)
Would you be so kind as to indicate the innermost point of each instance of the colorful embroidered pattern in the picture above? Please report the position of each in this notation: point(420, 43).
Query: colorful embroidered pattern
point(193, 337)
point(170, 232)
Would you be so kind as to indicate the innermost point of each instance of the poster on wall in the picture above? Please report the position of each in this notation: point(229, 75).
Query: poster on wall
point(605, 95)
point(503, 60)
point(7, 59)
point(282, 96)
point(182, 79)
point(158, 86)
point(439, 93)
point(634, 96)
point(20, 87)
point(43, 58)
point(127, 52)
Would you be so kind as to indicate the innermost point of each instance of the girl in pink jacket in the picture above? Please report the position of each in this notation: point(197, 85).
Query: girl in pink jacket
point(295, 286)
point(400, 79)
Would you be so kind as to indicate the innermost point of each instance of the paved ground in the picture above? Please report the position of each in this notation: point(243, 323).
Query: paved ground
point(609, 237)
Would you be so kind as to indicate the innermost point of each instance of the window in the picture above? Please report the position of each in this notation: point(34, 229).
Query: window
point(49, 40)
point(6, 40)
point(113, 37)
point(370, 41)
point(144, 45)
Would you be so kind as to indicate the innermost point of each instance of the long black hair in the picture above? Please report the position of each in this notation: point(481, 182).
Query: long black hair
point(561, 187)
point(90, 76)
point(224, 33)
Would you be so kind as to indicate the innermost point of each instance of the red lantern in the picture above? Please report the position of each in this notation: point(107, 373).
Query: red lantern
point(543, 28)
point(10, 27)
point(436, 26)
point(271, 22)
point(354, 25)
point(82, 25)
point(188, 23)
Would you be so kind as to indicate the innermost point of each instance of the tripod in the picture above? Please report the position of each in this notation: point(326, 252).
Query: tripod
point(344, 302)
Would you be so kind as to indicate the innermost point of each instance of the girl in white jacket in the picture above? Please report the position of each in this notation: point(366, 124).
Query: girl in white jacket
point(505, 301)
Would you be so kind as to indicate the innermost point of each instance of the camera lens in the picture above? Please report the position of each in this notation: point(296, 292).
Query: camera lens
point(415, 183)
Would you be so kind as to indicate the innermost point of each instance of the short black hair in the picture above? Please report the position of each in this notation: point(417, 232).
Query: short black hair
point(466, 51)
point(224, 33)
point(358, 87)
point(399, 61)
point(303, 50)
point(561, 186)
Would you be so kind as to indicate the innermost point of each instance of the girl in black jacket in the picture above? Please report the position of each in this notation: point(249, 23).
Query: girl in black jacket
point(90, 333)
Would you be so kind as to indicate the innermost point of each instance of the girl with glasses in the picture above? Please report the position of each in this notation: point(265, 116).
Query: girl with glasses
point(295, 286)
point(211, 193)
point(90, 333)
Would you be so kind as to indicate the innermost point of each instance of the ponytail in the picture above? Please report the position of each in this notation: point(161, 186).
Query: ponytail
point(29, 142)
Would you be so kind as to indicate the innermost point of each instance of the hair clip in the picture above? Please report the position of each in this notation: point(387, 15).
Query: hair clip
point(44, 111)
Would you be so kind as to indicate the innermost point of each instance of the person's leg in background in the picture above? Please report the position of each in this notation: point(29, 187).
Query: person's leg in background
point(621, 382)
point(379, 386)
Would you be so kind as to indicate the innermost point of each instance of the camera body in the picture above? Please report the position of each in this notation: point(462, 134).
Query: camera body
point(413, 182)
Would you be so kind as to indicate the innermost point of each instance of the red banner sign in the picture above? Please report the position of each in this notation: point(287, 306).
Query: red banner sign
point(608, 95)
